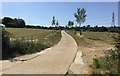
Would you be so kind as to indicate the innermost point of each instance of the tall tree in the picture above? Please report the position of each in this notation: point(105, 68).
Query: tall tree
point(80, 16)
point(53, 21)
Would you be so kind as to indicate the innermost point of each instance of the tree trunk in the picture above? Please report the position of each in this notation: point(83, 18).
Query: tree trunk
point(80, 29)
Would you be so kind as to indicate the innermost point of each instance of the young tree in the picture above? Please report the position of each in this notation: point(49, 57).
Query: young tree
point(53, 21)
point(80, 16)
point(70, 24)
point(57, 24)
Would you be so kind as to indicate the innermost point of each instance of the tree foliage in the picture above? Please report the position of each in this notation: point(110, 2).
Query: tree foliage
point(70, 24)
point(57, 24)
point(53, 21)
point(80, 16)
point(9, 22)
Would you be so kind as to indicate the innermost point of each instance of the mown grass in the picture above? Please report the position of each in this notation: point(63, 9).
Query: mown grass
point(23, 40)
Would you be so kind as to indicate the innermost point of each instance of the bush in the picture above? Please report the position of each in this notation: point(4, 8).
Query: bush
point(21, 48)
point(5, 43)
point(107, 64)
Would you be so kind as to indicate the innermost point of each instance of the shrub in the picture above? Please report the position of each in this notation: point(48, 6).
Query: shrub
point(5, 43)
point(21, 48)
point(106, 64)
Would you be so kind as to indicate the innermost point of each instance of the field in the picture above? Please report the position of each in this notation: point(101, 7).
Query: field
point(41, 35)
point(93, 45)
point(99, 36)
point(26, 41)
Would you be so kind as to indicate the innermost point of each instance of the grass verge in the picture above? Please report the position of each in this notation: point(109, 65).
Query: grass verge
point(80, 40)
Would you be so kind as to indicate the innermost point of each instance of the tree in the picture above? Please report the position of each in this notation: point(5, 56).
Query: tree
point(57, 23)
point(70, 24)
point(80, 16)
point(53, 21)
point(21, 23)
point(96, 28)
point(102, 29)
point(88, 27)
point(15, 21)
point(7, 21)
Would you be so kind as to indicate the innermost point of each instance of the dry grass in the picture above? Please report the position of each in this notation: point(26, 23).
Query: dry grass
point(93, 44)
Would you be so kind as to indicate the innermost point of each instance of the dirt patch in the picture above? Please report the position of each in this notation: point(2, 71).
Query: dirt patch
point(95, 48)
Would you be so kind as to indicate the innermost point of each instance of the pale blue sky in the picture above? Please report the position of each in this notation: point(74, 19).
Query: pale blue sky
point(98, 13)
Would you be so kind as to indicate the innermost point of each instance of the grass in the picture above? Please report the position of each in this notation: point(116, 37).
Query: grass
point(97, 36)
point(80, 40)
point(106, 64)
point(101, 36)
point(22, 40)
point(42, 35)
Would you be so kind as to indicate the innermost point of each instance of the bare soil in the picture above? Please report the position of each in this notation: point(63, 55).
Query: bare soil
point(95, 48)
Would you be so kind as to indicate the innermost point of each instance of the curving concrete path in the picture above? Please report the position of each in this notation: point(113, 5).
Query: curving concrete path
point(55, 60)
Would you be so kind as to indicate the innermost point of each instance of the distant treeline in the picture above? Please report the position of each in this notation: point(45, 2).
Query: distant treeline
point(20, 23)
point(99, 28)
point(16, 23)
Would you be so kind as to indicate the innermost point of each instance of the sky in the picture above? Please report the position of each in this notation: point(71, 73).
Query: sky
point(41, 13)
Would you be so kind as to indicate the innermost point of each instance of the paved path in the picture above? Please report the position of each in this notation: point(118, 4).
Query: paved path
point(56, 60)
